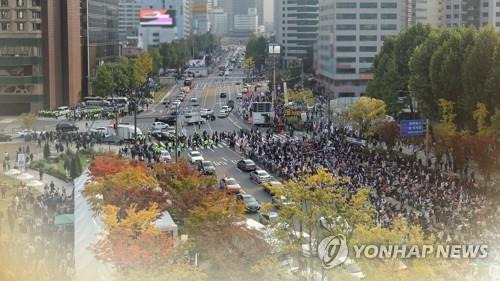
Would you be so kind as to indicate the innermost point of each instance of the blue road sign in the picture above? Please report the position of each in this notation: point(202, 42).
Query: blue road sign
point(411, 128)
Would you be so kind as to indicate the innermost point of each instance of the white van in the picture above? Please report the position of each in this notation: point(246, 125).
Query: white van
point(191, 118)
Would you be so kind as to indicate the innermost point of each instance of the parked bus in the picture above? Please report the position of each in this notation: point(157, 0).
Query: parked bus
point(262, 113)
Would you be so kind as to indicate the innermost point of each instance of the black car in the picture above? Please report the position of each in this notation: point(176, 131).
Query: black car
point(170, 120)
point(246, 165)
point(223, 95)
point(206, 167)
point(4, 138)
point(230, 103)
point(251, 204)
point(65, 127)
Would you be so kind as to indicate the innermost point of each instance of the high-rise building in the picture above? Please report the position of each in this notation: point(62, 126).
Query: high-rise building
point(296, 26)
point(350, 35)
point(182, 13)
point(200, 15)
point(218, 18)
point(429, 12)
point(128, 19)
point(247, 22)
point(99, 35)
point(39, 55)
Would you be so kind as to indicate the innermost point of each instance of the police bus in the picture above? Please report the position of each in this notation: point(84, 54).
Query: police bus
point(262, 113)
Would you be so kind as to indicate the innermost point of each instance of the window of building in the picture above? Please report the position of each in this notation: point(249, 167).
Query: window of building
point(448, 16)
point(19, 3)
point(388, 16)
point(35, 15)
point(366, 59)
point(448, 7)
point(346, 60)
point(5, 26)
point(498, 14)
point(368, 48)
point(368, 16)
point(345, 70)
point(368, 5)
point(498, 4)
point(20, 26)
point(156, 34)
point(367, 37)
point(4, 14)
point(344, 49)
point(455, 16)
point(456, 6)
point(35, 3)
point(389, 5)
point(343, 5)
point(368, 27)
point(346, 16)
point(485, 4)
point(346, 27)
point(497, 24)
point(37, 26)
point(346, 38)
point(485, 14)
point(20, 14)
point(4, 3)
point(388, 26)
point(365, 70)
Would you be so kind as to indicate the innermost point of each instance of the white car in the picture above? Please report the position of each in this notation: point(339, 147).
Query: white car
point(159, 126)
point(205, 112)
point(23, 133)
point(223, 113)
point(239, 96)
point(62, 110)
point(226, 108)
point(165, 156)
point(259, 176)
point(194, 156)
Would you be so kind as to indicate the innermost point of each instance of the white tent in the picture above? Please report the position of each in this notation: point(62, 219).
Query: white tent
point(166, 224)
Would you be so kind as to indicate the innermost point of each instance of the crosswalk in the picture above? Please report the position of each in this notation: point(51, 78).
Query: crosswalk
point(224, 162)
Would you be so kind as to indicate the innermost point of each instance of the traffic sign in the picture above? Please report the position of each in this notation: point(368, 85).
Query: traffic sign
point(411, 128)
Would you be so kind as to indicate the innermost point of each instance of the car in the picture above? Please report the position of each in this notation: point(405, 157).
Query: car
point(246, 165)
point(165, 156)
point(230, 104)
point(221, 73)
point(226, 108)
point(259, 176)
point(280, 201)
point(206, 167)
point(230, 185)
point(62, 110)
point(271, 185)
point(194, 156)
point(223, 95)
point(5, 138)
point(251, 204)
point(194, 100)
point(180, 98)
point(66, 127)
point(100, 130)
point(239, 96)
point(159, 126)
point(24, 133)
point(223, 113)
point(166, 102)
point(170, 120)
point(268, 218)
point(205, 111)
point(238, 83)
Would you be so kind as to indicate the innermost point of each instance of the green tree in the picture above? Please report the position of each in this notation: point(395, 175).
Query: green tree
point(493, 83)
point(495, 123)
point(121, 79)
point(256, 48)
point(248, 66)
point(73, 172)
point(103, 81)
point(157, 60)
point(294, 74)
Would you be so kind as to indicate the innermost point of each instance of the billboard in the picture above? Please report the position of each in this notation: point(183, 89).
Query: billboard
point(411, 128)
point(274, 49)
point(157, 17)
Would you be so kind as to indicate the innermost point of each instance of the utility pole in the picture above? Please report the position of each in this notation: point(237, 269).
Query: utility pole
point(426, 141)
point(135, 119)
point(176, 134)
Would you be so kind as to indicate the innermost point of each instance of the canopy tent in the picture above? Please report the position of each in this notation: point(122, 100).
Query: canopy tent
point(64, 219)
point(166, 224)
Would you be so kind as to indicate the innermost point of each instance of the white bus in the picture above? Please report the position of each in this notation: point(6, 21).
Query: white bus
point(262, 114)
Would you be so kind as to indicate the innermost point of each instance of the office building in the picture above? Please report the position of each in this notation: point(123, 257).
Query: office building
point(247, 22)
point(39, 55)
point(128, 20)
point(351, 33)
point(182, 13)
point(200, 16)
point(218, 18)
point(296, 26)
point(99, 35)
point(429, 12)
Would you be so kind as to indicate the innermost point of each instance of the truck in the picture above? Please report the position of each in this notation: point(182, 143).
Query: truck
point(123, 131)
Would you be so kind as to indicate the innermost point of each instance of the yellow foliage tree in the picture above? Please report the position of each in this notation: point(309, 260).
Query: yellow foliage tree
point(301, 96)
point(248, 65)
point(365, 113)
point(28, 120)
point(480, 115)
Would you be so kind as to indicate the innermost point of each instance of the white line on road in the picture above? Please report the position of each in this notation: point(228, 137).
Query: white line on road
point(234, 123)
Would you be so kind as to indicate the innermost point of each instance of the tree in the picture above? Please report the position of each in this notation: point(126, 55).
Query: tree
point(110, 164)
point(389, 133)
point(365, 113)
point(28, 120)
point(485, 152)
point(495, 123)
point(248, 66)
point(121, 77)
point(103, 81)
point(73, 172)
point(256, 49)
point(447, 115)
point(46, 151)
point(294, 74)
point(157, 61)
point(301, 97)
point(480, 115)
point(493, 83)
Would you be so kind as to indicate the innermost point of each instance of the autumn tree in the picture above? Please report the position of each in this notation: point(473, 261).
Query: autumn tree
point(365, 113)
point(303, 97)
point(248, 66)
point(110, 164)
point(389, 133)
point(28, 120)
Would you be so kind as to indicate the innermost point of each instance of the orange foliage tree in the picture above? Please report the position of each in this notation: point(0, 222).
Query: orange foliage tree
point(110, 164)
point(485, 152)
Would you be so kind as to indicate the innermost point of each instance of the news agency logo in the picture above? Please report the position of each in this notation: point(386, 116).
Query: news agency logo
point(333, 251)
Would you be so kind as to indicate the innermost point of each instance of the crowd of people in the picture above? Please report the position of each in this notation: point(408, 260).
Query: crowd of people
point(34, 247)
point(442, 203)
